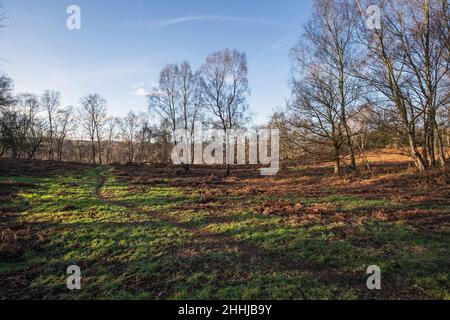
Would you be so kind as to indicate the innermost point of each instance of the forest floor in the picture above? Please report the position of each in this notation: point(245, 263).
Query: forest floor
point(160, 233)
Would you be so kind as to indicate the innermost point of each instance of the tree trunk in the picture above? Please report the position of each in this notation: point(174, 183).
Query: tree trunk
point(418, 159)
point(350, 146)
point(228, 170)
point(440, 147)
point(431, 146)
point(344, 111)
point(337, 167)
point(93, 151)
point(99, 152)
point(337, 161)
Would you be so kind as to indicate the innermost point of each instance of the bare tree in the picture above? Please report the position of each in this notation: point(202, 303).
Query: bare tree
point(330, 37)
point(190, 104)
point(51, 102)
point(93, 116)
point(224, 85)
point(325, 89)
point(427, 60)
point(163, 100)
point(176, 100)
point(6, 100)
point(145, 136)
point(21, 130)
point(28, 109)
point(129, 130)
point(315, 112)
point(64, 121)
point(111, 135)
point(408, 66)
point(6, 90)
point(291, 142)
point(36, 136)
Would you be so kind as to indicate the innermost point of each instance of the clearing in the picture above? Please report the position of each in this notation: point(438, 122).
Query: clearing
point(159, 233)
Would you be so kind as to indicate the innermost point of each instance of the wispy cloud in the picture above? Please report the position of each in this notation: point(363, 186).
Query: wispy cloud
point(170, 22)
point(277, 44)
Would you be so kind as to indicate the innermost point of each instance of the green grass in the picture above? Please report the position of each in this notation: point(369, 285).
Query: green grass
point(126, 252)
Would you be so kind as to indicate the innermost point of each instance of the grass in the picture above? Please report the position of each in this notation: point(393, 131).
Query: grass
point(159, 241)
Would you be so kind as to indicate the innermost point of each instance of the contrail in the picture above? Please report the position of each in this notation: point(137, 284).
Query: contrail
point(170, 22)
point(277, 44)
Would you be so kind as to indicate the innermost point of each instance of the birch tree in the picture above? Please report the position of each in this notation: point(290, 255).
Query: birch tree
point(93, 118)
point(225, 88)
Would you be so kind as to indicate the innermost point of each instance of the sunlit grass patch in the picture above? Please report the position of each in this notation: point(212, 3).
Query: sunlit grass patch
point(260, 285)
point(348, 202)
point(146, 197)
point(4, 179)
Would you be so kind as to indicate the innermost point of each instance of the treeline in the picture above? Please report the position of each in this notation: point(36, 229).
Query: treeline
point(361, 81)
point(358, 83)
point(38, 127)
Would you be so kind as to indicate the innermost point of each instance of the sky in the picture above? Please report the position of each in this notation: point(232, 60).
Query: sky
point(123, 45)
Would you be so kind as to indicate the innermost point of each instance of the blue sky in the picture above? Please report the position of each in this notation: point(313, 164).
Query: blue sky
point(123, 44)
